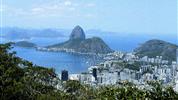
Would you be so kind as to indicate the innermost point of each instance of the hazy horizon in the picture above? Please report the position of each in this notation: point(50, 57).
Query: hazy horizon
point(128, 16)
point(94, 29)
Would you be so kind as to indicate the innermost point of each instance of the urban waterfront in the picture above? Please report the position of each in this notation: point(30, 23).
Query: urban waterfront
point(75, 63)
point(88, 50)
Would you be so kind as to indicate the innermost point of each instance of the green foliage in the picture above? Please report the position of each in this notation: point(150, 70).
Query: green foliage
point(121, 93)
point(153, 48)
point(21, 80)
point(25, 44)
point(133, 66)
point(158, 92)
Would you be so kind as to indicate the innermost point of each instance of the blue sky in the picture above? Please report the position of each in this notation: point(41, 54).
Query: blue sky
point(132, 16)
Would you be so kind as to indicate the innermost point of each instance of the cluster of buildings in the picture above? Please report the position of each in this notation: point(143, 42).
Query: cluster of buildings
point(54, 49)
point(61, 50)
point(119, 67)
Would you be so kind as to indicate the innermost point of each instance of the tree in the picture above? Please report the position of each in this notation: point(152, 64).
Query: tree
point(20, 79)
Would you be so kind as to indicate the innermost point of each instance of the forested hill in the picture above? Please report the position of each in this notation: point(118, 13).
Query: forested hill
point(155, 47)
point(20, 79)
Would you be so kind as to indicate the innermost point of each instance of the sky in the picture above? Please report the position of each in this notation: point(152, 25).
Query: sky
point(132, 16)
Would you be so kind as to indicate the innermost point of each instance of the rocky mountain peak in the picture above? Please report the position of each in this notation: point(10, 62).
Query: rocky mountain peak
point(77, 33)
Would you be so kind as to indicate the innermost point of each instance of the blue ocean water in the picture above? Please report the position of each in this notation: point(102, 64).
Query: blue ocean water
point(74, 63)
point(79, 63)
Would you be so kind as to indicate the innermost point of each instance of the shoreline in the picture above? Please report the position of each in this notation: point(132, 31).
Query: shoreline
point(68, 51)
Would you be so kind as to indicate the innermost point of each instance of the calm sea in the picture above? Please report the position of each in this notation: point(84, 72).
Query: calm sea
point(77, 63)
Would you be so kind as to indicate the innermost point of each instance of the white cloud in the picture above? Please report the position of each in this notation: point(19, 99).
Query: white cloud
point(90, 15)
point(90, 5)
point(12, 11)
point(72, 8)
point(57, 9)
point(54, 8)
point(67, 3)
point(37, 9)
point(1, 9)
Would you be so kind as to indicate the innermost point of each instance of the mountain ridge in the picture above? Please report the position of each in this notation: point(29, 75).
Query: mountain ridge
point(156, 47)
point(25, 44)
point(78, 43)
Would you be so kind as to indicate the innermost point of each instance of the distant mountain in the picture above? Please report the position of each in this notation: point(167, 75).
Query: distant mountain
point(25, 44)
point(78, 43)
point(14, 33)
point(153, 48)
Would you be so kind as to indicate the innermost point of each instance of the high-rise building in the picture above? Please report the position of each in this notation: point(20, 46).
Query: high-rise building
point(137, 76)
point(64, 75)
point(94, 73)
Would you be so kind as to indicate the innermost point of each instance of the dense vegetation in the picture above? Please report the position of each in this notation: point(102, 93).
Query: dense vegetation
point(153, 48)
point(123, 64)
point(21, 80)
point(25, 44)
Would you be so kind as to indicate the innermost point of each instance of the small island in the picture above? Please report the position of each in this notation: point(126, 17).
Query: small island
point(25, 44)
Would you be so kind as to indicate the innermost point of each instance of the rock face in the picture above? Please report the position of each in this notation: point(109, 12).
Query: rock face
point(25, 44)
point(78, 43)
point(94, 45)
point(153, 48)
point(77, 33)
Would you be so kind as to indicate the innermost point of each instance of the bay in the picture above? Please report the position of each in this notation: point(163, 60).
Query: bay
point(75, 63)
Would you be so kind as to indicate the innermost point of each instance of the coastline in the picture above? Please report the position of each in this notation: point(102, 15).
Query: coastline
point(67, 51)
